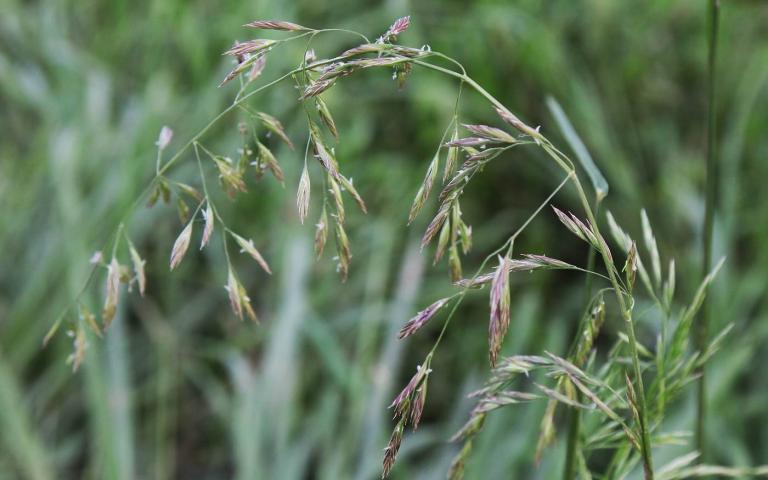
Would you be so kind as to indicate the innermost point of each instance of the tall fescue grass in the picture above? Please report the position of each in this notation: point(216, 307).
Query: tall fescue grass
point(280, 449)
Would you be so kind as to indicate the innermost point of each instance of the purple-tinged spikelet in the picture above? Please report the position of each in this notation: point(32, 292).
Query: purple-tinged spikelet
point(422, 318)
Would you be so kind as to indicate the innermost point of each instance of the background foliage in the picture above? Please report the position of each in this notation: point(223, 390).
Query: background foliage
point(180, 389)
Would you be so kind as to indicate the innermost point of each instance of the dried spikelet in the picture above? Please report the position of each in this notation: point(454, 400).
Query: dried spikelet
point(302, 195)
point(325, 116)
point(512, 119)
point(89, 319)
point(310, 57)
point(112, 293)
point(274, 125)
point(491, 133)
point(276, 25)
point(246, 246)
point(230, 177)
point(181, 245)
point(632, 398)
point(245, 301)
point(401, 400)
point(451, 158)
point(577, 227)
point(419, 401)
point(322, 153)
point(80, 345)
point(390, 452)
point(652, 247)
point(250, 47)
point(466, 142)
point(257, 68)
point(316, 88)
point(209, 223)
point(233, 290)
point(138, 268)
point(442, 242)
point(484, 156)
point(630, 267)
point(321, 233)
point(343, 252)
point(268, 159)
point(422, 318)
point(476, 282)
point(436, 224)
point(242, 66)
point(164, 138)
point(348, 186)
point(499, 300)
point(366, 48)
point(426, 187)
point(338, 200)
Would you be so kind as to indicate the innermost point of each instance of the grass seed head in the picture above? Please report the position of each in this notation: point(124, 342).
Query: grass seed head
point(422, 318)
point(208, 216)
point(138, 269)
point(180, 246)
point(499, 300)
point(112, 293)
point(302, 195)
point(321, 233)
point(273, 125)
point(164, 138)
point(246, 246)
point(276, 25)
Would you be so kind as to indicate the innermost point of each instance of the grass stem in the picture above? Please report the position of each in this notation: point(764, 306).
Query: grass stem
point(701, 332)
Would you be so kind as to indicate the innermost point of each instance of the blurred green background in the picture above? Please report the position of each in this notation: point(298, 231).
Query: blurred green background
point(179, 388)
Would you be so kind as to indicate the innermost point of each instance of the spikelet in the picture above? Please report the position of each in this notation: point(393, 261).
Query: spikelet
point(276, 25)
point(138, 268)
point(426, 187)
point(499, 300)
point(421, 318)
point(246, 246)
point(208, 216)
point(325, 116)
point(112, 293)
point(164, 138)
point(273, 125)
point(180, 246)
point(302, 195)
point(321, 233)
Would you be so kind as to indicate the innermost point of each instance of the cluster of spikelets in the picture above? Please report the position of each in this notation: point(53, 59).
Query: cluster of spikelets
point(579, 380)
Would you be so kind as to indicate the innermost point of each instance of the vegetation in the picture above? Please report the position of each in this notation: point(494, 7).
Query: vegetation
point(170, 383)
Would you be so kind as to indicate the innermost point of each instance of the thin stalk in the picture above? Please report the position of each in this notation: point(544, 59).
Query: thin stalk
point(701, 332)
